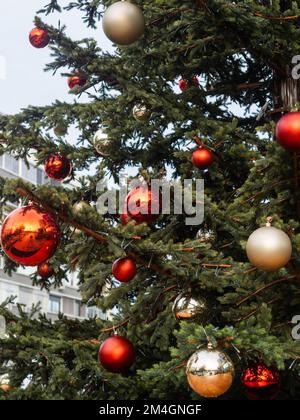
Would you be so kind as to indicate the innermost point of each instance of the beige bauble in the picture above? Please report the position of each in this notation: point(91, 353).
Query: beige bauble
point(101, 142)
point(210, 372)
point(141, 112)
point(187, 307)
point(269, 248)
point(123, 23)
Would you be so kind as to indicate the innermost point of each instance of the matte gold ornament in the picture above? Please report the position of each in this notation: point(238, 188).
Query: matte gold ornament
point(269, 248)
point(189, 308)
point(101, 142)
point(80, 207)
point(123, 23)
point(141, 112)
point(210, 372)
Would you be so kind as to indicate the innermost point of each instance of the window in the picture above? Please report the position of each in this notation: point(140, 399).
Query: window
point(40, 177)
point(77, 308)
point(29, 172)
point(11, 164)
point(54, 304)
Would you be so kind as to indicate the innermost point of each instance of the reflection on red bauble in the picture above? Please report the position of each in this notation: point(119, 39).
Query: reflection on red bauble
point(76, 80)
point(39, 38)
point(45, 270)
point(124, 269)
point(29, 236)
point(116, 354)
point(288, 131)
point(141, 205)
point(183, 84)
point(202, 158)
point(58, 167)
point(261, 381)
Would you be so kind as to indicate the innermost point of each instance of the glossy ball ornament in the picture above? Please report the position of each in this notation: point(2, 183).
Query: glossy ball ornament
point(39, 38)
point(124, 269)
point(58, 167)
point(29, 236)
point(141, 112)
point(189, 308)
point(141, 205)
point(116, 354)
point(260, 381)
point(123, 23)
point(45, 270)
point(210, 372)
point(202, 158)
point(205, 235)
point(5, 383)
point(184, 84)
point(101, 142)
point(76, 80)
point(288, 131)
point(269, 248)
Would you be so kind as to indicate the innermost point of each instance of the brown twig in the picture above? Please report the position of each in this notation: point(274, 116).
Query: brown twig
point(205, 265)
point(115, 327)
point(266, 286)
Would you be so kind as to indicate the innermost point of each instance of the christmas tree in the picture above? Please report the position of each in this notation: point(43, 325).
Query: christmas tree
point(193, 90)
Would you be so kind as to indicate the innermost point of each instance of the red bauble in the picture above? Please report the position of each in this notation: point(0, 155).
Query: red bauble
point(260, 381)
point(184, 84)
point(29, 236)
point(202, 158)
point(39, 38)
point(124, 269)
point(58, 167)
point(141, 205)
point(116, 354)
point(45, 270)
point(288, 131)
point(76, 80)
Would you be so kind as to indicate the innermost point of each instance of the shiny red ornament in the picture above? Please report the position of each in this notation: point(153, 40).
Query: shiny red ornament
point(116, 354)
point(124, 269)
point(202, 158)
point(288, 131)
point(184, 84)
point(76, 80)
point(141, 205)
point(58, 167)
point(29, 236)
point(260, 381)
point(39, 38)
point(45, 270)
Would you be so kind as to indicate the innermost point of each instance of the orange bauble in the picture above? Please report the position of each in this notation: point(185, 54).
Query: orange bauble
point(116, 354)
point(29, 236)
point(202, 158)
point(39, 38)
point(141, 205)
point(58, 167)
point(261, 381)
point(288, 131)
point(76, 80)
point(45, 270)
point(124, 269)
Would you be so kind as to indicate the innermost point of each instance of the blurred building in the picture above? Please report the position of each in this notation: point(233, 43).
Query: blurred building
point(66, 299)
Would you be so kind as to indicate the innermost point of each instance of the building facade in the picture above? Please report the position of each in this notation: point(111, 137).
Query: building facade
point(66, 299)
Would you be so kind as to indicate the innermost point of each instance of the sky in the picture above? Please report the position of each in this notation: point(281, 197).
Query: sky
point(22, 79)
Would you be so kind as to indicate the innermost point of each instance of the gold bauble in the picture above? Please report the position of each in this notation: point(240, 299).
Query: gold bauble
point(210, 372)
point(101, 142)
point(189, 308)
point(269, 248)
point(60, 130)
point(123, 23)
point(141, 112)
point(80, 207)
point(5, 383)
